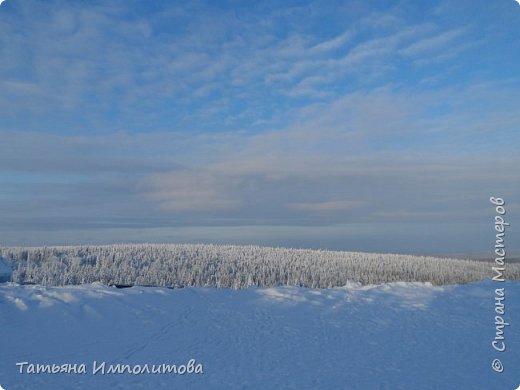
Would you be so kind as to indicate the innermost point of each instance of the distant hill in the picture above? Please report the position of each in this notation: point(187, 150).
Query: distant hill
point(230, 266)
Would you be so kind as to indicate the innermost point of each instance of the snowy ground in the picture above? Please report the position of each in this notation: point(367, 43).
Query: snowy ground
point(394, 336)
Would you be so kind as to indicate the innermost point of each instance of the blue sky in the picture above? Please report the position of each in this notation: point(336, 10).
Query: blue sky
point(376, 126)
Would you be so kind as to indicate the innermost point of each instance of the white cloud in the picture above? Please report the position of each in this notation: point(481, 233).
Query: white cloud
point(332, 44)
point(328, 206)
point(229, 115)
point(187, 190)
point(434, 43)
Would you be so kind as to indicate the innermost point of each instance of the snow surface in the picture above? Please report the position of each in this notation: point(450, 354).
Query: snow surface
point(391, 336)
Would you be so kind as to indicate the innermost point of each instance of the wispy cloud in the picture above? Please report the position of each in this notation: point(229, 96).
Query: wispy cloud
point(434, 43)
point(157, 116)
point(332, 44)
point(185, 190)
point(130, 68)
point(328, 206)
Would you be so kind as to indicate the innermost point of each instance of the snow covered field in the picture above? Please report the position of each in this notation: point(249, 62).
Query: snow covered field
point(390, 336)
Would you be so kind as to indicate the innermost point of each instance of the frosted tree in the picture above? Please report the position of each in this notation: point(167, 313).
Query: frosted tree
point(229, 266)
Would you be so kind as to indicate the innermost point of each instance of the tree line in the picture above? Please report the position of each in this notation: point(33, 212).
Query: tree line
point(232, 266)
